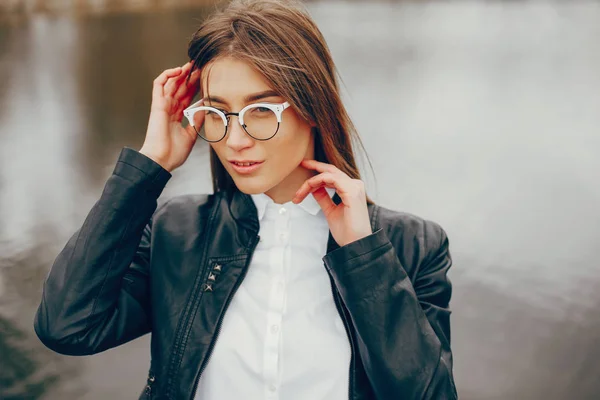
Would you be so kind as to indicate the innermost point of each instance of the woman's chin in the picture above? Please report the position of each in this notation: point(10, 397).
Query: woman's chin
point(251, 185)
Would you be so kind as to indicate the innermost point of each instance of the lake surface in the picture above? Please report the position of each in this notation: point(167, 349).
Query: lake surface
point(482, 116)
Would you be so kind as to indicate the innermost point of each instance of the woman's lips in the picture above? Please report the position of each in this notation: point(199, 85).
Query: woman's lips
point(243, 169)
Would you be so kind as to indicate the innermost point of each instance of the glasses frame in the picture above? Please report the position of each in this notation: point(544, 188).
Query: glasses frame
point(277, 108)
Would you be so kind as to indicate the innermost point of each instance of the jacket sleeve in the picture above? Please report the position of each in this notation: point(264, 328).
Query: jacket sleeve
point(402, 327)
point(96, 295)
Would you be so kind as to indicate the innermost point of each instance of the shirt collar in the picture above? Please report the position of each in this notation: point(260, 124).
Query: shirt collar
point(309, 204)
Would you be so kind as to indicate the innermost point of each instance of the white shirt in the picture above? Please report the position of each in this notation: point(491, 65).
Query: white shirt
point(282, 337)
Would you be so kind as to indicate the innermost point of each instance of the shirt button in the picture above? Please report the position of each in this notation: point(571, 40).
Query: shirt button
point(272, 388)
point(282, 237)
point(274, 328)
point(282, 210)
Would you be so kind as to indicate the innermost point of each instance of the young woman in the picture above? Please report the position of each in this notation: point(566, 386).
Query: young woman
point(287, 282)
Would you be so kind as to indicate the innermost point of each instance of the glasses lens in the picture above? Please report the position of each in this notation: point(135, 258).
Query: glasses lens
point(213, 128)
point(260, 122)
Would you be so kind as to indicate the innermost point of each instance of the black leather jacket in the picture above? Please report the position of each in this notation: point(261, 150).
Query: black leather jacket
point(135, 267)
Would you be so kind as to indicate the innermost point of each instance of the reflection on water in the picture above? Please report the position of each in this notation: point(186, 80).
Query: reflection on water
point(18, 368)
point(489, 111)
point(26, 372)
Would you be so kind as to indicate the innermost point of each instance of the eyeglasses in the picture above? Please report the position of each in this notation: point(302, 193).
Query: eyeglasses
point(260, 120)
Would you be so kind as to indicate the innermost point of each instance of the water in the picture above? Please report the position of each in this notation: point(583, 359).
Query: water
point(483, 116)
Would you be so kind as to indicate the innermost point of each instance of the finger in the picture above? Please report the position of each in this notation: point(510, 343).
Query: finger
point(183, 104)
point(159, 82)
point(324, 179)
point(173, 83)
point(186, 82)
point(195, 76)
point(185, 101)
point(195, 79)
point(185, 86)
point(319, 166)
point(191, 132)
point(198, 116)
point(325, 201)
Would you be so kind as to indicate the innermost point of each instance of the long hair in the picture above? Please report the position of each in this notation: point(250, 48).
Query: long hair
point(283, 43)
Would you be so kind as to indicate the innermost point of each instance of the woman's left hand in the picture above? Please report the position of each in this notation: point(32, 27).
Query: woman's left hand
point(349, 220)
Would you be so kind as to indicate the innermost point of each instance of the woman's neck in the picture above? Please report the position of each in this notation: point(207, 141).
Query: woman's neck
point(287, 188)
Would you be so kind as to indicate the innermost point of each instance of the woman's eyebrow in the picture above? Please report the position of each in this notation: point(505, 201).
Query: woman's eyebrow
point(260, 95)
point(249, 98)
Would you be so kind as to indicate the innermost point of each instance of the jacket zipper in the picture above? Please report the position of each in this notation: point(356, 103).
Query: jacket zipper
point(346, 326)
point(216, 336)
point(182, 328)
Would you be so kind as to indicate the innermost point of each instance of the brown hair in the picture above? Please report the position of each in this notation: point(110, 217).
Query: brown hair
point(279, 38)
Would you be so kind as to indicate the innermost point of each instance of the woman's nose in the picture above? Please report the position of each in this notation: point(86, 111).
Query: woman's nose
point(237, 138)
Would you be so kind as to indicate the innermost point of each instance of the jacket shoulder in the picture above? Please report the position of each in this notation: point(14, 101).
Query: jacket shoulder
point(408, 224)
point(414, 238)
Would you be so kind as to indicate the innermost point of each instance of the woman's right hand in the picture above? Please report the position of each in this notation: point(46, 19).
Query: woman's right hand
point(167, 142)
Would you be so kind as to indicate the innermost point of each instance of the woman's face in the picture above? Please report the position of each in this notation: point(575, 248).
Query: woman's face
point(279, 175)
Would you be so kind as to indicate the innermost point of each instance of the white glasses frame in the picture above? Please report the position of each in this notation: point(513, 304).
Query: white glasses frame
point(276, 108)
